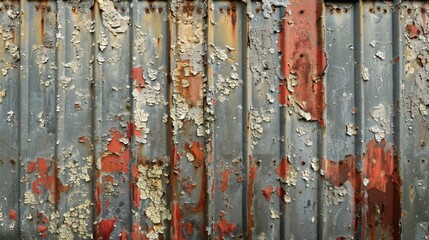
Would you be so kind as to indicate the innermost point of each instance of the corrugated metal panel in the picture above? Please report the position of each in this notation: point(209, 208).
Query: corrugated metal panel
point(296, 119)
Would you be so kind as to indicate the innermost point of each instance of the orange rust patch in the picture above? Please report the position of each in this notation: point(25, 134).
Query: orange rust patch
point(83, 139)
point(104, 228)
point(379, 166)
point(225, 227)
point(282, 169)
point(43, 231)
point(301, 45)
point(225, 180)
point(194, 91)
point(46, 181)
point(412, 30)
point(137, 76)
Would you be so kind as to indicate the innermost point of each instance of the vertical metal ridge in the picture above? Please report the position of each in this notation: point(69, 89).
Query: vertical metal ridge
point(210, 208)
point(246, 144)
point(321, 139)
point(23, 102)
point(284, 131)
point(397, 75)
point(359, 97)
point(208, 138)
point(131, 34)
point(96, 108)
point(170, 120)
point(169, 135)
point(60, 110)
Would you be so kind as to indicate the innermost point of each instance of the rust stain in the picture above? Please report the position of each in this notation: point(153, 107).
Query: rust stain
point(134, 188)
point(104, 228)
point(189, 186)
point(233, 12)
point(267, 191)
point(47, 181)
point(225, 227)
point(303, 56)
point(98, 192)
point(123, 235)
point(376, 189)
point(250, 195)
point(136, 233)
point(197, 149)
point(225, 180)
point(283, 168)
point(12, 214)
point(189, 228)
point(193, 90)
point(413, 31)
point(177, 222)
point(137, 76)
point(43, 231)
point(281, 193)
point(42, 25)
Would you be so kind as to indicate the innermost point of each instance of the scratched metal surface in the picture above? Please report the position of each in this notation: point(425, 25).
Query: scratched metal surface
point(293, 119)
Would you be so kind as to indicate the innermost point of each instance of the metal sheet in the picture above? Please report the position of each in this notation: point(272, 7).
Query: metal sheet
point(215, 119)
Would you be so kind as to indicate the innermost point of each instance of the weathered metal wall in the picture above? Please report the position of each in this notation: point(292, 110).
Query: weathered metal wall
point(270, 119)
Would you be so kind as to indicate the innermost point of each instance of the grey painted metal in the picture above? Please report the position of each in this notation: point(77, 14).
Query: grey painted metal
point(184, 120)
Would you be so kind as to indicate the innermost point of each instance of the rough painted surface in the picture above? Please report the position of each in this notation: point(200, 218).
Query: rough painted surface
point(297, 119)
point(303, 59)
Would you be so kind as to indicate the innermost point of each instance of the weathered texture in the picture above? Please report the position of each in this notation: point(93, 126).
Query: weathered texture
point(272, 119)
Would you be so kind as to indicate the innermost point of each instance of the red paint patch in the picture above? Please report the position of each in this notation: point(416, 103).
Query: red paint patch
point(283, 168)
point(225, 227)
point(197, 150)
point(43, 231)
point(380, 197)
point(136, 233)
point(12, 214)
point(301, 44)
point(31, 167)
point(133, 131)
point(83, 139)
point(250, 194)
point(98, 192)
point(135, 190)
point(225, 180)
point(118, 156)
point(137, 76)
point(177, 222)
point(123, 235)
point(267, 191)
point(189, 228)
point(104, 228)
point(48, 181)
